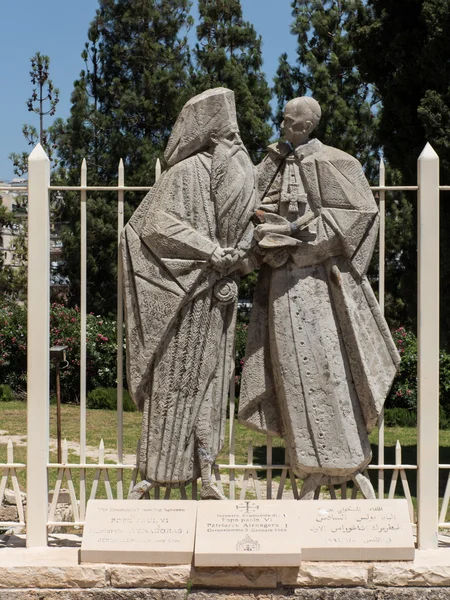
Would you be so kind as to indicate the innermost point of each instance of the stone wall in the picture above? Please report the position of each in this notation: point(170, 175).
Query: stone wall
point(426, 578)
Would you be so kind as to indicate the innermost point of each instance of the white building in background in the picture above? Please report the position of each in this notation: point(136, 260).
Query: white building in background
point(12, 200)
point(15, 199)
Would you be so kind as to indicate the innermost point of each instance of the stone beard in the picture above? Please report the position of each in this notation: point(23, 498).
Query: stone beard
point(320, 359)
point(180, 306)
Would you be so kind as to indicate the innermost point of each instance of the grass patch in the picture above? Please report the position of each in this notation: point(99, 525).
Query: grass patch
point(102, 424)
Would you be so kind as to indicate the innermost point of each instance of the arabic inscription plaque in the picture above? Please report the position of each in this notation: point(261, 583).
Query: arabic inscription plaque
point(356, 530)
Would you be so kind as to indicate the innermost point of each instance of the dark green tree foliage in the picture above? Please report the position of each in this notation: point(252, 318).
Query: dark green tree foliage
point(404, 50)
point(228, 54)
point(123, 106)
point(326, 70)
point(42, 102)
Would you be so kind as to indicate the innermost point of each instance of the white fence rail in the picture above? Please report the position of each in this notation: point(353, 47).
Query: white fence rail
point(235, 479)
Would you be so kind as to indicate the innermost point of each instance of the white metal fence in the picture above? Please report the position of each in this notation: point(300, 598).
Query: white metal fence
point(235, 479)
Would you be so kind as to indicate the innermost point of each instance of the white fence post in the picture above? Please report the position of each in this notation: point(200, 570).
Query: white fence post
point(428, 348)
point(381, 291)
point(38, 346)
point(83, 327)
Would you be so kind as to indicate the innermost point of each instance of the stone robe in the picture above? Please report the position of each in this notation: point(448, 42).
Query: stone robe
point(180, 315)
point(320, 359)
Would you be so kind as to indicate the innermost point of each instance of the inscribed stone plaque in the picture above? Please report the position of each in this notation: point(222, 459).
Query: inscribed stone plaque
point(248, 533)
point(355, 530)
point(139, 531)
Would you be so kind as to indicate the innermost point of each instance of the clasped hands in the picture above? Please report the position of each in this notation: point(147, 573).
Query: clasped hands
point(223, 259)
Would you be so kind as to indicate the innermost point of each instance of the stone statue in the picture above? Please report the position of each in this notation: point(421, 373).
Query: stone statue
point(320, 359)
point(181, 250)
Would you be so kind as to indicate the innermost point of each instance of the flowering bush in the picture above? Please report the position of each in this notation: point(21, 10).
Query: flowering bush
point(13, 346)
point(101, 349)
point(403, 393)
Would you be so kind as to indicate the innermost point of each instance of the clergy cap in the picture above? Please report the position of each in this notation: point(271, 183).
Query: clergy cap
point(212, 112)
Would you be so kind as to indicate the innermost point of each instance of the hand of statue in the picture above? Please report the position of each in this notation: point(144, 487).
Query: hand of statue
point(273, 224)
point(223, 258)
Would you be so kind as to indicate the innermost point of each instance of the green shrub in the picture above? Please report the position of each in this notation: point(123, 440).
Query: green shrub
point(6, 393)
point(400, 417)
point(240, 344)
point(106, 398)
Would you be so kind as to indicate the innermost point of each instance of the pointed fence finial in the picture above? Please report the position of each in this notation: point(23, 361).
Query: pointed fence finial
point(38, 153)
point(10, 452)
point(428, 153)
point(101, 452)
point(65, 452)
point(398, 453)
point(84, 173)
point(121, 174)
point(157, 170)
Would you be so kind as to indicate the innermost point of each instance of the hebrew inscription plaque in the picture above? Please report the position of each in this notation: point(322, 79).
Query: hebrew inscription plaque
point(132, 531)
point(356, 530)
point(254, 533)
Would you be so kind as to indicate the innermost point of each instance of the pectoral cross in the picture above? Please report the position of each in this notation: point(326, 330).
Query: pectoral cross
point(294, 200)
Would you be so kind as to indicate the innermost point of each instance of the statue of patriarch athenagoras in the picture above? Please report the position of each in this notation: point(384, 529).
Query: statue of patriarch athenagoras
point(181, 250)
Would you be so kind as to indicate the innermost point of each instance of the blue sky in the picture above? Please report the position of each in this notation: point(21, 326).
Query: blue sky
point(58, 28)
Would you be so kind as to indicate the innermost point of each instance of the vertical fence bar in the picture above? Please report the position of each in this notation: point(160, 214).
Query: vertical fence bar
point(38, 346)
point(269, 472)
point(83, 308)
point(428, 348)
point(120, 224)
point(381, 291)
point(232, 420)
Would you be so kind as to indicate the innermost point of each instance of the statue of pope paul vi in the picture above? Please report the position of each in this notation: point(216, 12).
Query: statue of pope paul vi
point(320, 359)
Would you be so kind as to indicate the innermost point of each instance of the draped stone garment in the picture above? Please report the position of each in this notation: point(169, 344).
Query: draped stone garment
point(320, 359)
point(180, 315)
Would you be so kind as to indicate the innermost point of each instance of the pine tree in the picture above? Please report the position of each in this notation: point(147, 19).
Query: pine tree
point(228, 54)
point(404, 49)
point(124, 105)
point(326, 70)
point(42, 102)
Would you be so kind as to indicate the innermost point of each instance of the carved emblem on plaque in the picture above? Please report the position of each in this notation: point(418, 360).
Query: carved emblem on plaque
point(248, 545)
point(247, 506)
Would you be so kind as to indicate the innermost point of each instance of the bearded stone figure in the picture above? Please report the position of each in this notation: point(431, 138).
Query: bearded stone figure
point(320, 358)
point(181, 251)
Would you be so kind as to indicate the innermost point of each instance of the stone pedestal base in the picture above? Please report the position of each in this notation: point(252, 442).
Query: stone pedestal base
point(56, 573)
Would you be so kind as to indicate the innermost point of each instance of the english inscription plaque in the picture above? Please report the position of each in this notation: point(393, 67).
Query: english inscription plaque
point(356, 530)
point(248, 533)
point(137, 532)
